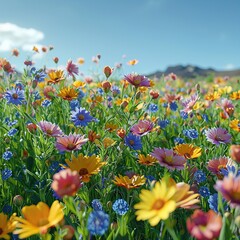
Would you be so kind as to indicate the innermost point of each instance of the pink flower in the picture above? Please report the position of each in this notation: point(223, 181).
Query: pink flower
point(215, 165)
point(204, 225)
point(168, 158)
point(142, 128)
point(189, 103)
point(229, 187)
point(218, 135)
point(227, 107)
point(137, 80)
point(66, 183)
point(71, 68)
point(71, 142)
point(50, 129)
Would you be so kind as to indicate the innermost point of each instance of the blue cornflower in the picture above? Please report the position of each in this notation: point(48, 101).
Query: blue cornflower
point(10, 124)
point(74, 104)
point(39, 76)
point(19, 85)
point(7, 209)
point(98, 222)
point(150, 178)
point(199, 176)
point(173, 106)
point(165, 105)
point(178, 140)
point(109, 98)
point(115, 90)
point(100, 91)
point(133, 141)
point(12, 132)
point(7, 155)
point(36, 95)
point(213, 202)
point(204, 191)
point(7, 120)
point(163, 123)
point(81, 117)
point(6, 173)
point(230, 169)
point(81, 95)
point(205, 117)
point(15, 96)
point(17, 114)
point(183, 115)
point(120, 206)
point(153, 107)
point(46, 103)
point(96, 205)
point(54, 167)
point(190, 133)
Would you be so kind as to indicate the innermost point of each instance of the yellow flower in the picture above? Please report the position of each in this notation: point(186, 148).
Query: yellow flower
point(235, 95)
point(212, 96)
point(6, 226)
point(183, 197)
point(86, 166)
point(55, 76)
point(79, 84)
point(156, 204)
point(146, 160)
point(111, 127)
point(189, 151)
point(132, 62)
point(134, 182)
point(224, 90)
point(38, 219)
point(106, 142)
point(235, 125)
point(81, 61)
point(68, 93)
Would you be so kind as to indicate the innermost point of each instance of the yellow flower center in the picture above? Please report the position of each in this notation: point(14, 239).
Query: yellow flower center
point(15, 96)
point(83, 171)
point(42, 222)
point(158, 204)
point(81, 117)
point(168, 159)
point(71, 146)
point(137, 81)
point(49, 131)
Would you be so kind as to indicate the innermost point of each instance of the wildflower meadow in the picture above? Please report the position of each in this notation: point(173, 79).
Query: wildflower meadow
point(117, 155)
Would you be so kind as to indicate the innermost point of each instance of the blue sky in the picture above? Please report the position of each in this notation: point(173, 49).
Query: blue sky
point(158, 33)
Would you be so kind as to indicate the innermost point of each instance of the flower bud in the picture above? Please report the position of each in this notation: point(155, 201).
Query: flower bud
point(56, 59)
point(106, 86)
point(121, 133)
point(107, 71)
point(70, 232)
point(124, 104)
point(154, 94)
point(18, 200)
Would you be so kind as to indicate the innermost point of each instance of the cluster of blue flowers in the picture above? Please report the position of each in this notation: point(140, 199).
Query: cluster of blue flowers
point(190, 133)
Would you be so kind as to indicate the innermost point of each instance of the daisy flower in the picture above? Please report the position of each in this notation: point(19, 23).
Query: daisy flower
point(217, 136)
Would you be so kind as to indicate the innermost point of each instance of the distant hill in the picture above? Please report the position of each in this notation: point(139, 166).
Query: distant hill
point(190, 71)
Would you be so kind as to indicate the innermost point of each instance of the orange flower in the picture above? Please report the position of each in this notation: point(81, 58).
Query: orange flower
point(189, 151)
point(235, 95)
point(235, 125)
point(68, 93)
point(132, 62)
point(212, 96)
point(146, 160)
point(134, 182)
point(55, 76)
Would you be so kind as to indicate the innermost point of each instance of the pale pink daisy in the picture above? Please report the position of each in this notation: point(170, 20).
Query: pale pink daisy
point(50, 129)
point(71, 142)
point(66, 183)
point(189, 103)
point(169, 159)
point(217, 135)
point(227, 106)
point(72, 68)
point(142, 128)
point(137, 80)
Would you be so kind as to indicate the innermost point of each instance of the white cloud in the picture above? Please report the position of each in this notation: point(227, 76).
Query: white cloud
point(13, 36)
point(229, 66)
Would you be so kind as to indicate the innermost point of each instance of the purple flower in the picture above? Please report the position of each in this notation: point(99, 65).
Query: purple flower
point(217, 135)
point(137, 80)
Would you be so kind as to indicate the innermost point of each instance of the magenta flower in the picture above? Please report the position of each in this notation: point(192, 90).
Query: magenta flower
point(50, 129)
point(218, 135)
point(204, 225)
point(142, 128)
point(168, 158)
point(189, 103)
point(229, 187)
point(137, 80)
point(71, 68)
point(227, 106)
point(71, 142)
